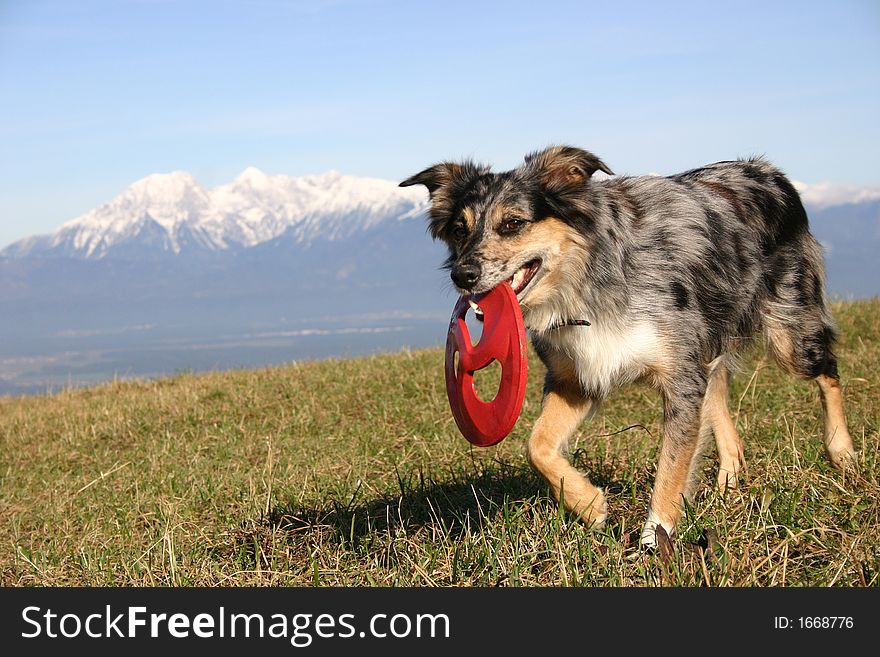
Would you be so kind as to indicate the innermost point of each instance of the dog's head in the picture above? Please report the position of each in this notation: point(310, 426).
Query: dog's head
point(518, 225)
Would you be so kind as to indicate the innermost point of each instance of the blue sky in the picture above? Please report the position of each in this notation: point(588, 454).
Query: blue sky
point(95, 94)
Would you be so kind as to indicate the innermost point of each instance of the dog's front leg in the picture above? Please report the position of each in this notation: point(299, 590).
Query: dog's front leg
point(679, 456)
point(561, 413)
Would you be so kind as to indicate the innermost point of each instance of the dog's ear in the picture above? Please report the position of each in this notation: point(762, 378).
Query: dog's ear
point(565, 166)
point(445, 183)
point(434, 177)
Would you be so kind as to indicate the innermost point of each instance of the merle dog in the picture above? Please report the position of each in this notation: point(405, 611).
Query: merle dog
point(675, 275)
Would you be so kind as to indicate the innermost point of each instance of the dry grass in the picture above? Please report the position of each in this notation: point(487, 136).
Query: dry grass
point(353, 473)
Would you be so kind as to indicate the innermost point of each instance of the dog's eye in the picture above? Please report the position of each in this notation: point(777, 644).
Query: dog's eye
point(511, 226)
point(459, 232)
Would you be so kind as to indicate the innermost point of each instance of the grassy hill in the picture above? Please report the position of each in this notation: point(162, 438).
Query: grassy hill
point(353, 473)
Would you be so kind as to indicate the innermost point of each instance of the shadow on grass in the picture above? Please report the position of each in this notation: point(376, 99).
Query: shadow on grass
point(463, 501)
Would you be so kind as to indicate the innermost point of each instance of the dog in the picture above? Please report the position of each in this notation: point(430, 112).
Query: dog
point(674, 274)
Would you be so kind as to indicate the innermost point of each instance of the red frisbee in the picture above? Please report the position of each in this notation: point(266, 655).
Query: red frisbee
point(504, 339)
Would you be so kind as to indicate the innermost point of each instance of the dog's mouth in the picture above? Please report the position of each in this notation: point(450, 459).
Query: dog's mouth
point(524, 276)
point(520, 280)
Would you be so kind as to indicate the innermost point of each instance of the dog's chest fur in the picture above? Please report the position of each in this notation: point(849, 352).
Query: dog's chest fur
point(605, 356)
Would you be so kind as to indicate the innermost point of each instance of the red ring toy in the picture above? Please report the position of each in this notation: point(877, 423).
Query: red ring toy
point(503, 339)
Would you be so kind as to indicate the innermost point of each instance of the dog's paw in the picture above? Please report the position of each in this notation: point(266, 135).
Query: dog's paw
point(594, 521)
point(660, 544)
point(727, 480)
point(595, 515)
point(656, 535)
point(843, 458)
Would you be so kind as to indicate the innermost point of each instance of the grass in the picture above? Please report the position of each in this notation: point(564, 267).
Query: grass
point(353, 473)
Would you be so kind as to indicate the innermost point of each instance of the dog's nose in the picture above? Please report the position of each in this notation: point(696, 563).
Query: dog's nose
point(465, 275)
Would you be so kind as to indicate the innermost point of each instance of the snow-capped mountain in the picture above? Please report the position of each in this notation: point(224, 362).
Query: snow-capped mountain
point(172, 275)
point(172, 213)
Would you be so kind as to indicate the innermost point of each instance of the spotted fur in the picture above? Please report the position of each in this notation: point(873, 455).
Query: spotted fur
point(675, 275)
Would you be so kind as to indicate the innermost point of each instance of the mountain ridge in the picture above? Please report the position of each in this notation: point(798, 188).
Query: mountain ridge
point(172, 212)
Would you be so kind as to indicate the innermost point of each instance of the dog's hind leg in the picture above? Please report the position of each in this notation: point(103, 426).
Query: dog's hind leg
point(800, 333)
point(562, 411)
point(717, 416)
point(838, 442)
point(684, 435)
point(805, 351)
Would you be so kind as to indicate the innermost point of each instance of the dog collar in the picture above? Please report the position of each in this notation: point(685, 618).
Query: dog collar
point(569, 322)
